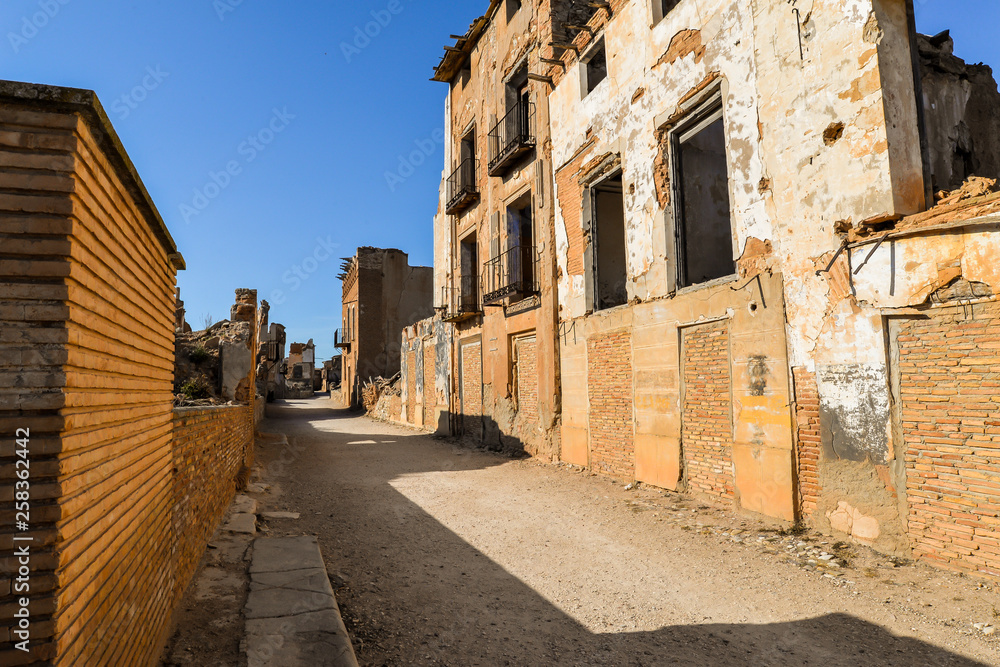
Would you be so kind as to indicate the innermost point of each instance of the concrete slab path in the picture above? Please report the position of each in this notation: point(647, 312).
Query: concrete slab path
point(292, 618)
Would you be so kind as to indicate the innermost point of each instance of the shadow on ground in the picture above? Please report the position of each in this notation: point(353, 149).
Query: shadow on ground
point(415, 593)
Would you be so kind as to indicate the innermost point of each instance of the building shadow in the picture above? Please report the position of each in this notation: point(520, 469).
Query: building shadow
point(405, 580)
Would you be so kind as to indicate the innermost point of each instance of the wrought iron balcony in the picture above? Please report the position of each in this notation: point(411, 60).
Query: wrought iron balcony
point(512, 137)
point(513, 273)
point(462, 303)
point(462, 188)
point(344, 344)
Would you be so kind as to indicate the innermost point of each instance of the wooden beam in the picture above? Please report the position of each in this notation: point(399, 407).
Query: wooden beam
point(541, 77)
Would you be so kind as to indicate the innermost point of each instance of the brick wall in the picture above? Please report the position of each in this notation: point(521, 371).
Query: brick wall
point(609, 379)
point(411, 386)
point(472, 388)
point(950, 420)
point(210, 445)
point(87, 308)
point(570, 195)
point(707, 427)
point(35, 225)
point(430, 395)
point(808, 440)
point(526, 353)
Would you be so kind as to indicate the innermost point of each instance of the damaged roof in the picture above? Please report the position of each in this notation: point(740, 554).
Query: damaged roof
point(456, 56)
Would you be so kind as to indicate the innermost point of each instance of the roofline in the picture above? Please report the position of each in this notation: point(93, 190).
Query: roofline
point(86, 103)
point(455, 56)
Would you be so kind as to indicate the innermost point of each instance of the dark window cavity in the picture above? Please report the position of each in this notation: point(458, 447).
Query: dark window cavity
point(595, 68)
point(608, 237)
point(703, 220)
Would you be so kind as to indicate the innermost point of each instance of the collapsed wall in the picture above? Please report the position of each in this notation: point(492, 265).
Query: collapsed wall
point(962, 114)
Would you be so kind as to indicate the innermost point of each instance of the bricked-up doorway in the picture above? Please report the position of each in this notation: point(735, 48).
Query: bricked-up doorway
point(707, 414)
point(946, 385)
point(471, 386)
point(526, 376)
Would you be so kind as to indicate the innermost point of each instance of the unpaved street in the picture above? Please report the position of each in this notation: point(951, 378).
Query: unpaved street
point(444, 555)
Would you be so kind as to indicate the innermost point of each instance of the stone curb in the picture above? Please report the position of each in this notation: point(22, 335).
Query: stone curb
point(292, 617)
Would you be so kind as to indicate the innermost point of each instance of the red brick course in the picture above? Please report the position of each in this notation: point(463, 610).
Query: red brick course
point(950, 417)
point(808, 440)
point(707, 432)
point(430, 395)
point(609, 380)
point(411, 386)
point(526, 353)
point(472, 389)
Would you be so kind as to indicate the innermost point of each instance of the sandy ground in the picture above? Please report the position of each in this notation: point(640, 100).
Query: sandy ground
point(445, 555)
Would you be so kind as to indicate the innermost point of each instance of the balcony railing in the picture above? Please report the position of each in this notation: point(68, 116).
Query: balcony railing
point(462, 303)
point(462, 188)
point(512, 137)
point(513, 273)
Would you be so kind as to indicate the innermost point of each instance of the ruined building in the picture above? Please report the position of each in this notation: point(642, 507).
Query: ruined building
point(298, 370)
point(495, 365)
point(759, 294)
point(382, 294)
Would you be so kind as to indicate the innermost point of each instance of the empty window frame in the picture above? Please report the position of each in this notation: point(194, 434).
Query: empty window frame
point(594, 68)
point(663, 7)
point(521, 258)
point(607, 235)
point(513, 6)
point(468, 292)
point(702, 217)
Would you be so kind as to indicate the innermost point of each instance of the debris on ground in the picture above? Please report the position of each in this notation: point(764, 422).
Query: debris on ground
point(375, 388)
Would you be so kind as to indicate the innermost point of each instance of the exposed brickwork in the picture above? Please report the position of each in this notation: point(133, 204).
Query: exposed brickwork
point(87, 318)
point(950, 418)
point(570, 195)
point(609, 379)
point(808, 438)
point(472, 388)
point(411, 386)
point(210, 446)
point(526, 353)
point(707, 432)
point(430, 396)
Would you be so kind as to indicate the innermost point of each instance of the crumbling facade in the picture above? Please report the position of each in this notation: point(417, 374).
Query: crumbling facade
point(298, 370)
point(494, 369)
point(382, 294)
point(271, 362)
point(762, 297)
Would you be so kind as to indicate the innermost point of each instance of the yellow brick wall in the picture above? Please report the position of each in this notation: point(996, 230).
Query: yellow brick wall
point(36, 172)
point(124, 493)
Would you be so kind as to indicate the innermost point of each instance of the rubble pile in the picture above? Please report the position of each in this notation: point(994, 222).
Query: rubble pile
point(374, 389)
point(197, 363)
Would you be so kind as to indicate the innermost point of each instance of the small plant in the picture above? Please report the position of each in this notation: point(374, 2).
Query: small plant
point(199, 354)
point(195, 389)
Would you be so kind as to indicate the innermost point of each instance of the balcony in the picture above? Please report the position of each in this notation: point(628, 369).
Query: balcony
point(511, 138)
point(344, 344)
point(513, 273)
point(462, 303)
point(462, 189)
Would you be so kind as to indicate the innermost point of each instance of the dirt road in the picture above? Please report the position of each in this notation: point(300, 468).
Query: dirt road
point(444, 555)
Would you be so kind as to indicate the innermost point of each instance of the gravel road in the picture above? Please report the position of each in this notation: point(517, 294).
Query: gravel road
point(444, 555)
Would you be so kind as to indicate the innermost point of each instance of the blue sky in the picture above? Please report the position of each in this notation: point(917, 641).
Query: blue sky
point(264, 140)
